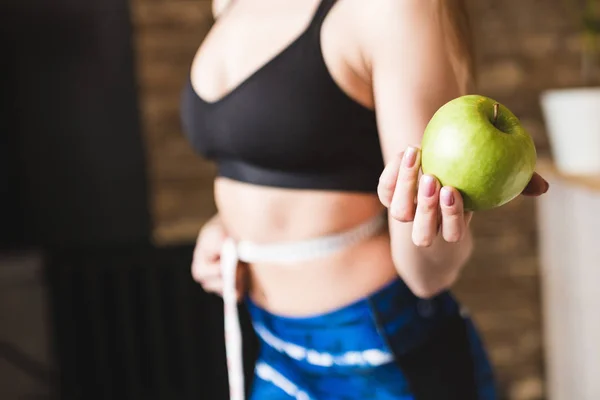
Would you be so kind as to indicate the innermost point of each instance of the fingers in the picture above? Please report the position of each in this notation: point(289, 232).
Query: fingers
point(433, 210)
point(203, 270)
point(454, 220)
point(398, 184)
point(387, 180)
point(439, 211)
point(402, 206)
point(206, 268)
point(213, 286)
point(210, 242)
point(208, 274)
point(425, 225)
point(536, 186)
point(213, 283)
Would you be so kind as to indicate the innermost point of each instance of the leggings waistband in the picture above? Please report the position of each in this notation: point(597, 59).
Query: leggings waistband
point(232, 252)
point(351, 335)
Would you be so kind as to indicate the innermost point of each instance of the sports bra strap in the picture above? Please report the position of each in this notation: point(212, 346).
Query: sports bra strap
point(322, 11)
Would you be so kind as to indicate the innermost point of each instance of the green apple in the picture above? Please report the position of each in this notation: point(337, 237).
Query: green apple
point(479, 147)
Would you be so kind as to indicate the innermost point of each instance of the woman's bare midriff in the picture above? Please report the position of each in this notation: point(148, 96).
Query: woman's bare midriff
point(267, 215)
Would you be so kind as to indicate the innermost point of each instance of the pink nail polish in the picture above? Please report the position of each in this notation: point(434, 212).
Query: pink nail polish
point(428, 185)
point(447, 197)
point(410, 157)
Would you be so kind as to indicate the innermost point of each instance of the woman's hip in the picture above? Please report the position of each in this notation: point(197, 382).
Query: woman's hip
point(389, 343)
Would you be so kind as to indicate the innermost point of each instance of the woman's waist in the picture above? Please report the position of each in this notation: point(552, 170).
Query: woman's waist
point(266, 215)
point(319, 284)
point(334, 245)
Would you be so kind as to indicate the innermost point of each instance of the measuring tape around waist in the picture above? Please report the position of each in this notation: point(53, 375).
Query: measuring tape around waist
point(287, 252)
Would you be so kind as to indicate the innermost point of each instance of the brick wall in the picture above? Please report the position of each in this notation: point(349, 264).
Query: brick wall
point(523, 47)
point(168, 33)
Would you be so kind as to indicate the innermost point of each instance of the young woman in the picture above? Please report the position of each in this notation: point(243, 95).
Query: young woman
point(313, 111)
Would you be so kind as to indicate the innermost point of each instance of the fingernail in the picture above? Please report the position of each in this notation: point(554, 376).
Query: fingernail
point(428, 185)
point(410, 156)
point(447, 197)
point(547, 186)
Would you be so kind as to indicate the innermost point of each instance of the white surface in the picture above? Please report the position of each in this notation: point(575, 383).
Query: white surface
point(570, 276)
point(572, 118)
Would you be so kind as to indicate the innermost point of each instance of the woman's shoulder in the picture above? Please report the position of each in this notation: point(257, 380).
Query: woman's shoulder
point(381, 14)
point(385, 23)
point(218, 6)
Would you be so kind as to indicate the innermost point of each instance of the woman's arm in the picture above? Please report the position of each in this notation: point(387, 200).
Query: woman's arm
point(218, 6)
point(411, 78)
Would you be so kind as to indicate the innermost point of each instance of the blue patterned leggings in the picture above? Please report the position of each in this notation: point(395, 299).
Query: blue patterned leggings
point(389, 345)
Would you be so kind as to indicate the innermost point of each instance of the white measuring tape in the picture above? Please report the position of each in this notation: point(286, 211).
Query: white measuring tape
point(287, 252)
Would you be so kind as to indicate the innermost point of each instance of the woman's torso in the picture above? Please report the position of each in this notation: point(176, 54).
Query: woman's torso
point(247, 36)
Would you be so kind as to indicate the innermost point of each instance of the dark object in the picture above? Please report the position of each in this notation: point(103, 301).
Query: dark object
point(75, 171)
point(131, 324)
point(13, 355)
point(330, 142)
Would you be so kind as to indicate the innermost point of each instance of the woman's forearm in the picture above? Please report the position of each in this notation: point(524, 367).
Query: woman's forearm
point(428, 270)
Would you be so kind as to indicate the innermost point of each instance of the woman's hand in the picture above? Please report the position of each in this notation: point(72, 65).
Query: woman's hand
point(411, 197)
point(206, 264)
point(433, 209)
point(537, 186)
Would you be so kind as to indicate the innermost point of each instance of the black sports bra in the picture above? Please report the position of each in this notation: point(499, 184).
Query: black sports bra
point(289, 124)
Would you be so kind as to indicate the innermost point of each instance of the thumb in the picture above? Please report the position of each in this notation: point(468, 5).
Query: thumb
point(536, 186)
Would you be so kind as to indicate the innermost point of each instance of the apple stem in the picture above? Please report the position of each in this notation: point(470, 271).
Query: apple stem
point(496, 108)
